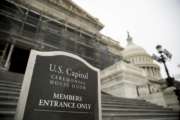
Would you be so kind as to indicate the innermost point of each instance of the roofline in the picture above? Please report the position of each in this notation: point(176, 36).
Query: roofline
point(81, 9)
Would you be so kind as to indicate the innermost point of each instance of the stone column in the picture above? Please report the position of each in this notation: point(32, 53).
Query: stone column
point(154, 72)
point(157, 73)
point(9, 57)
point(148, 71)
point(146, 68)
point(4, 53)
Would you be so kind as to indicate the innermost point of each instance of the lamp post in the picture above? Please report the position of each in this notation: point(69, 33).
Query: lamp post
point(164, 56)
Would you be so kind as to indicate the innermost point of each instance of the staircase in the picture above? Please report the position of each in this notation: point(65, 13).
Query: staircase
point(10, 85)
point(113, 108)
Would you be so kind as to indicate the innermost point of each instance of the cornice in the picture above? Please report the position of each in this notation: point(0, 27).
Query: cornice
point(66, 11)
point(70, 6)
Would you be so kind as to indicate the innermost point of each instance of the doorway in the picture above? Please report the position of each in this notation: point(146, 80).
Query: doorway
point(19, 60)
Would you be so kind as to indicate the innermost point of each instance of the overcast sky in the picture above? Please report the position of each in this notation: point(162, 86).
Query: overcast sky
point(150, 22)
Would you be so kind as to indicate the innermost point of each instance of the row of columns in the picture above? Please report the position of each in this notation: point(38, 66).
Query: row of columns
point(153, 72)
point(140, 59)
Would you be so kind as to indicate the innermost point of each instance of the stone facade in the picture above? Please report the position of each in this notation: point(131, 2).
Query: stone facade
point(122, 79)
point(51, 25)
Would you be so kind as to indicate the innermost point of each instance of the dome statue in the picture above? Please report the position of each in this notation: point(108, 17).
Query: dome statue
point(132, 49)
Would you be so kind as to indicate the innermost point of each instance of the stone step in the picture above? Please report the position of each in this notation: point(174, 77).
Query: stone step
point(8, 98)
point(126, 100)
point(2, 88)
point(10, 85)
point(114, 97)
point(118, 99)
point(139, 115)
point(11, 76)
point(130, 103)
point(139, 118)
point(130, 106)
point(10, 82)
point(123, 100)
point(7, 104)
point(142, 110)
point(7, 114)
point(9, 93)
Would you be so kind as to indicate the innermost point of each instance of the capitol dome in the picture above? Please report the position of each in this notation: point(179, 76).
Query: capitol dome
point(138, 56)
point(133, 49)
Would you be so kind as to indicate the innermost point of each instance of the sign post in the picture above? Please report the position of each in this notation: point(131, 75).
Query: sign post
point(59, 86)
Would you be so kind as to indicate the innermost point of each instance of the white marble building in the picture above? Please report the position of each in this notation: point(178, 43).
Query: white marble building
point(136, 76)
point(138, 56)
